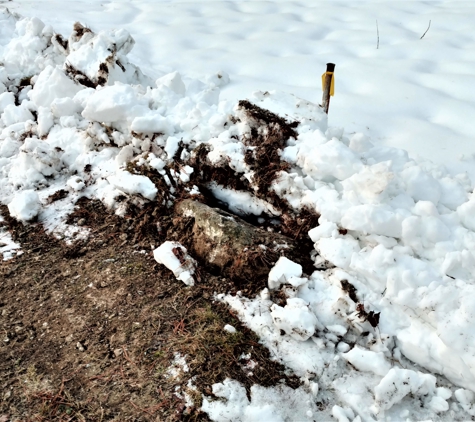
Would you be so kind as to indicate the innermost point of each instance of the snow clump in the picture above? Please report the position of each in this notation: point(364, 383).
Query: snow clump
point(175, 257)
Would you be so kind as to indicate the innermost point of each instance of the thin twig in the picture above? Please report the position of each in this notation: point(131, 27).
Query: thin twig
point(426, 31)
point(377, 33)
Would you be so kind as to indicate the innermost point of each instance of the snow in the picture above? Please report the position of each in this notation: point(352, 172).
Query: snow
point(383, 170)
point(284, 271)
point(295, 319)
point(167, 254)
point(25, 205)
point(266, 404)
point(397, 383)
point(133, 184)
point(52, 84)
point(230, 329)
point(367, 360)
point(178, 367)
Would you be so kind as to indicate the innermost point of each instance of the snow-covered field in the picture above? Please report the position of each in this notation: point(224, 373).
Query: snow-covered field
point(398, 228)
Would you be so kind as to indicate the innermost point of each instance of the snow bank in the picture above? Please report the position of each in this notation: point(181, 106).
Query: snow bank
point(75, 112)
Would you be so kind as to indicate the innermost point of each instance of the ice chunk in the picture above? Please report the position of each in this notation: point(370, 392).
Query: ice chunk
point(281, 272)
point(325, 229)
point(64, 107)
point(295, 319)
point(466, 213)
point(133, 184)
point(25, 205)
point(338, 251)
point(241, 202)
point(420, 185)
point(466, 398)
point(76, 183)
point(342, 414)
point(153, 122)
point(373, 219)
point(174, 82)
point(45, 120)
point(175, 257)
point(452, 193)
point(219, 79)
point(229, 329)
point(367, 360)
point(16, 114)
point(107, 49)
point(114, 104)
point(6, 99)
point(398, 383)
point(330, 161)
point(438, 404)
point(52, 83)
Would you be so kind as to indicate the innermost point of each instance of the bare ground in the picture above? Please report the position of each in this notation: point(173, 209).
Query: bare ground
point(89, 332)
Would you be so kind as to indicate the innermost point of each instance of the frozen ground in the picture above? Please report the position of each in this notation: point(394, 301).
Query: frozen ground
point(386, 334)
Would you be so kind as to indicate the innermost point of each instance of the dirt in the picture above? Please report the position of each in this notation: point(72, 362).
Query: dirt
point(89, 331)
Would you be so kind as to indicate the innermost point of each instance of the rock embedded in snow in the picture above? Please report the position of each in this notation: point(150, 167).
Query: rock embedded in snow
point(411, 223)
point(25, 205)
point(175, 257)
point(228, 244)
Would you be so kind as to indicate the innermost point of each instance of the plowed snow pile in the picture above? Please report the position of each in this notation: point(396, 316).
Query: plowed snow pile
point(387, 332)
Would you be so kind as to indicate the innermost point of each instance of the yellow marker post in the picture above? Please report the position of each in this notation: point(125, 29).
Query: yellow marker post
point(328, 86)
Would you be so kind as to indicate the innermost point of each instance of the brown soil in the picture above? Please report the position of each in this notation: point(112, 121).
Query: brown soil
point(88, 332)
